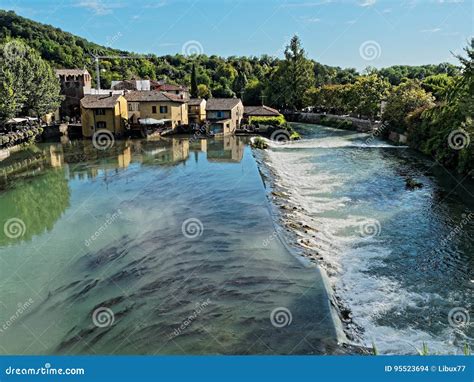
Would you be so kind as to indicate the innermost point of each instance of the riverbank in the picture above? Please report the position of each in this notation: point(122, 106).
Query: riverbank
point(343, 202)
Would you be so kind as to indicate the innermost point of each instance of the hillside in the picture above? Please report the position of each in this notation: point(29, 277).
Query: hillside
point(217, 76)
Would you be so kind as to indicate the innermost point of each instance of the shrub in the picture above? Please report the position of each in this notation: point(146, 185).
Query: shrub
point(271, 121)
point(259, 143)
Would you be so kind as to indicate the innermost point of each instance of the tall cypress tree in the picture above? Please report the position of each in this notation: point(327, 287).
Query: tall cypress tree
point(194, 84)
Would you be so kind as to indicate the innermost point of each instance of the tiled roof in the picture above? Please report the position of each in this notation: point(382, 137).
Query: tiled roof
point(170, 87)
point(71, 72)
point(261, 111)
point(222, 103)
point(100, 101)
point(152, 96)
point(195, 101)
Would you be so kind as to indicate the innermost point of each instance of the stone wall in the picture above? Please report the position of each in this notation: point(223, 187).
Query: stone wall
point(363, 125)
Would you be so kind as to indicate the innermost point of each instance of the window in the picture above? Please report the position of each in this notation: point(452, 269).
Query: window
point(101, 125)
point(153, 109)
point(100, 112)
point(163, 109)
point(133, 106)
point(220, 114)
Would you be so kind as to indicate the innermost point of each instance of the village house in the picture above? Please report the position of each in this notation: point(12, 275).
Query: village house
point(224, 115)
point(181, 91)
point(131, 85)
point(75, 83)
point(260, 111)
point(197, 110)
point(104, 112)
point(157, 105)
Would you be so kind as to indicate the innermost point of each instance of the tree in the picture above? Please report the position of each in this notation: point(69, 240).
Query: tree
point(194, 83)
point(254, 92)
point(438, 85)
point(367, 95)
point(240, 83)
point(28, 83)
point(203, 92)
point(403, 100)
point(331, 98)
point(295, 75)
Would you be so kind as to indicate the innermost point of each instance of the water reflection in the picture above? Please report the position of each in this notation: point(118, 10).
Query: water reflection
point(40, 204)
point(105, 230)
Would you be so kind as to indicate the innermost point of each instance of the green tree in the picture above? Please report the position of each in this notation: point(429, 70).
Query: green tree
point(253, 92)
point(438, 85)
point(203, 91)
point(403, 100)
point(28, 83)
point(367, 95)
point(239, 84)
point(194, 83)
point(295, 75)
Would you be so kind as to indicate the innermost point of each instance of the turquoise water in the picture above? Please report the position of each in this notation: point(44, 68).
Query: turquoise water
point(158, 247)
point(401, 261)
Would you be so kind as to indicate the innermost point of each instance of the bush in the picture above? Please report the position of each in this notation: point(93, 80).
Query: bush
point(271, 121)
point(259, 143)
point(337, 123)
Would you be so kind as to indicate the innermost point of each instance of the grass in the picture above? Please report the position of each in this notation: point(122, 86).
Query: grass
point(259, 143)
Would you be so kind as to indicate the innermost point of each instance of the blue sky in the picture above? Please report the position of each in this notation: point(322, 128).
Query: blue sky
point(347, 33)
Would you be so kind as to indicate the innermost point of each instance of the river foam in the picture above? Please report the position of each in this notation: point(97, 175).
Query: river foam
point(340, 221)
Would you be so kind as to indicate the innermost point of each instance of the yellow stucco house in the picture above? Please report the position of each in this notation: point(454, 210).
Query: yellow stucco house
point(197, 110)
point(103, 112)
point(157, 105)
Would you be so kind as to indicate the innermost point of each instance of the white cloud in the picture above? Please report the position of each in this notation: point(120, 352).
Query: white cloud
point(367, 3)
point(98, 7)
point(433, 30)
point(155, 5)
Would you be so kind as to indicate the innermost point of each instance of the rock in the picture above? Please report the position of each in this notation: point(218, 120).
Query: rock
point(412, 184)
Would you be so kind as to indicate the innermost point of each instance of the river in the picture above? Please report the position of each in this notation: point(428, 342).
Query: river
point(182, 246)
point(400, 260)
point(150, 247)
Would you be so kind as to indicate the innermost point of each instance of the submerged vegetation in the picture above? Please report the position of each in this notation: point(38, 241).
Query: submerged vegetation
point(259, 143)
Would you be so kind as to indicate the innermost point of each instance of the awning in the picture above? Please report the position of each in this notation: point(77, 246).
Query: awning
point(21, 120)
point(153, 121)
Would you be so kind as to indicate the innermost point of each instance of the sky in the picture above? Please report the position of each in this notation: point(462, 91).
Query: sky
point(346, 33)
